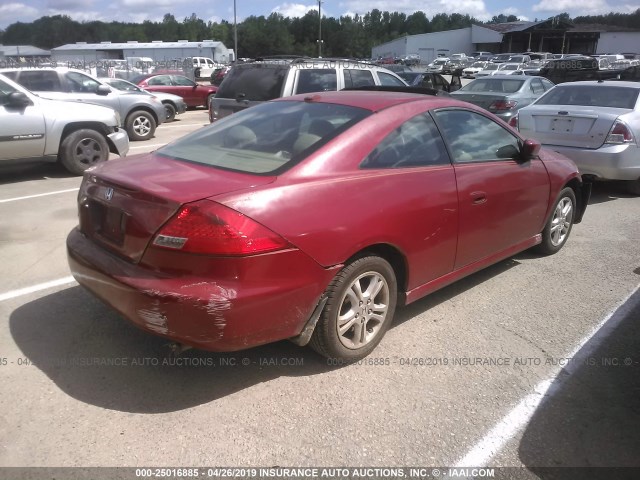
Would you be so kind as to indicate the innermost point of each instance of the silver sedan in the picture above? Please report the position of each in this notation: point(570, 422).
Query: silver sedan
point(503, 95)
point(595, 123)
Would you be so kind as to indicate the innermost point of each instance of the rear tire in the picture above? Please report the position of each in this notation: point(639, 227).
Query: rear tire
point(140, 125)
point(361, 301)
point(171, 112)
point(83, 149)
point(558, 227)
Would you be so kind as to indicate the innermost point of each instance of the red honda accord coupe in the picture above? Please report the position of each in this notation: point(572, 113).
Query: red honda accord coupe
point(311, 218)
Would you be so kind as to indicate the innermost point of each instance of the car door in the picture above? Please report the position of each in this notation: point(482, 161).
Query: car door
point(502, 199)
point(83, 88)
point(186, 89)
point(420, 170)
point(23, 127)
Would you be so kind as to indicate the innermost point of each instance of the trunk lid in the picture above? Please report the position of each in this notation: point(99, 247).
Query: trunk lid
point(483, 100)
point(568, 125)
point(123, 203)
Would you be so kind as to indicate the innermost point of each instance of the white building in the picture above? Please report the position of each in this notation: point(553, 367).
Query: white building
point(431, 45)
point(157, 51)
point(552, 35)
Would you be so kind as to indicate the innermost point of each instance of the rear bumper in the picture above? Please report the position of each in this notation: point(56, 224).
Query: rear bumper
point(119, 142)
point(610, 162)
point(265, 299)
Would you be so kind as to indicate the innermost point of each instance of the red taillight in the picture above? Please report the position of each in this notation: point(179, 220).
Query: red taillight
point(501, 105)
point(513, 122)
point(620, 134)
point(210, 228)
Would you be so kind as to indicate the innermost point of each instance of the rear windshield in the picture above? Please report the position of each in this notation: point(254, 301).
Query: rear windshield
point(257, 82)
point(591, 95)
point(493, 85)
point(266, 139)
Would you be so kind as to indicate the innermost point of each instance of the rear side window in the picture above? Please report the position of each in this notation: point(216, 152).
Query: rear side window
point(316, 80)
point(357, 78)
point(594, 96)
point(40, 81)
point(257, 83)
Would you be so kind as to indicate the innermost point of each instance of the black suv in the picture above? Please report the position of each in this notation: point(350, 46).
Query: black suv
point(249, 84)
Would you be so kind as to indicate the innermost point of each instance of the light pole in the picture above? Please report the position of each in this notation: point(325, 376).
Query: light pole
point(319, 28)
point(235, 34)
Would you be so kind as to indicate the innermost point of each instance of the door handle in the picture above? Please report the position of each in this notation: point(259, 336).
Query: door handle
point(478, 198)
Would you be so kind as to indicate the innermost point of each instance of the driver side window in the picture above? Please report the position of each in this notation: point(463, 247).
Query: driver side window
point(472, 137)
point(81, 83)
point(415, 143)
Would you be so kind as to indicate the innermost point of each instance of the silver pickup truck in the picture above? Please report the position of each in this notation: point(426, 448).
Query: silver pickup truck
point(77, 135)
point(140, 114)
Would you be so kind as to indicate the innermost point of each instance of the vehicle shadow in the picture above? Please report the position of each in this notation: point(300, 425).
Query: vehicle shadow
point(94, 355)
point(608, 191)
point(97, 357)
point(590, 416)
point(32, 171)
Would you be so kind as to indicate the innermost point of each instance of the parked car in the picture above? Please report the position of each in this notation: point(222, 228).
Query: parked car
point(509, 69)
point(218, 75)
point(412, 59)
point(252, 83)
point(35, 128)
point(576, 68)
point(595, 123)
point(173, 104)
point(193, 94)
point(434, 80)
point(438, 65)
point(489, 70)
point(503, 95)
point(203, 67)
point(473, 69)
point(260, 227)
point(140, 114)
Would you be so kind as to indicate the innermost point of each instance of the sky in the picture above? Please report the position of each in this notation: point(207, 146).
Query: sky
point(12, 11)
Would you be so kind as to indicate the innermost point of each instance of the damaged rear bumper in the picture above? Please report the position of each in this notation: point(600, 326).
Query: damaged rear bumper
point(218, 314)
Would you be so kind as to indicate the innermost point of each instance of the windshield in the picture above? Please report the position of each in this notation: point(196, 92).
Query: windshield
point(492, 66)
point(591, 95)
point(265, 139)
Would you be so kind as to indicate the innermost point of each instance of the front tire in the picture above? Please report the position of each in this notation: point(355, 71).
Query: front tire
point(361, 301)
point(558, 227)
point(83, 149)
point(140, 125)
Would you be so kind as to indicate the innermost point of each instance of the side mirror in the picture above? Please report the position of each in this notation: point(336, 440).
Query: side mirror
point(530, 149)
point(18, 100)
point(508, 151)
point(103, 90)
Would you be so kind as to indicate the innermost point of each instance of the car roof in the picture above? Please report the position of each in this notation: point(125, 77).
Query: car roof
point(369, 100)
